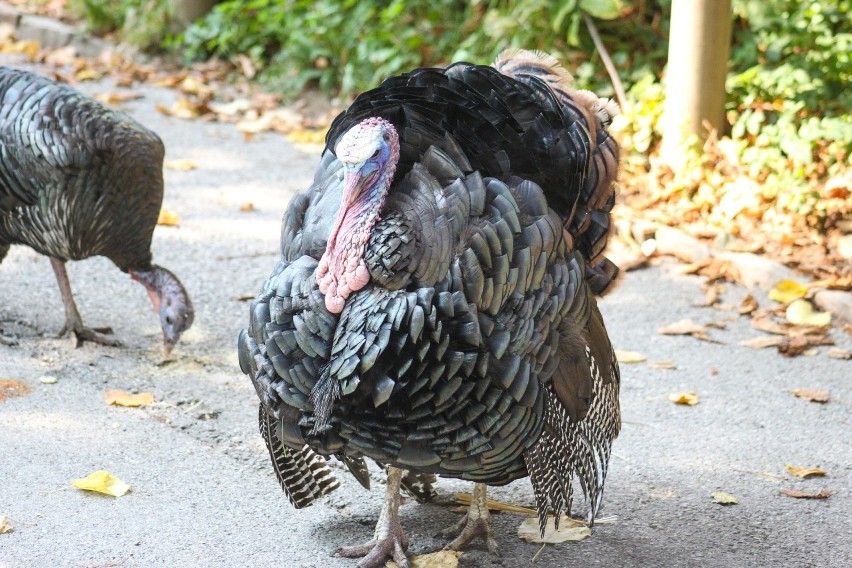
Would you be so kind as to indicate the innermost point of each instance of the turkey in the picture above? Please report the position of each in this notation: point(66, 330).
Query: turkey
point(434, 306)
point(77, 180)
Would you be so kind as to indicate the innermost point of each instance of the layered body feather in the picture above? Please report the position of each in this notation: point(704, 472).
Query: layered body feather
point(476, 351)
point(77, 179)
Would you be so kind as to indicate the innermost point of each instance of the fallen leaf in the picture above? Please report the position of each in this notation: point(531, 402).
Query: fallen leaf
point(102, 481)
point(88, 74)
point(232, 108)
point(689, 327)
point(763, 341)
point(5, 524)
point(10, 388)
point(764, 322)
point(838, 353)
point(662, 365)
point(117, 98)
point(123, 398)
point(246, 297)
point(723, 498)
point(180, 165)
point(466, 498)
point(811, 395)
point(440, 559)
point(801, 312)
point(824, 494)
point(168, 218)
point(570, 530)
point(247, 207)
point(748, 305)
point(689, 398)
point(629, 356)
point(805, 472)
point(786, 291)
point(802, 345)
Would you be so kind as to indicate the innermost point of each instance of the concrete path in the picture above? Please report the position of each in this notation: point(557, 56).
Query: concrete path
point(204, 493)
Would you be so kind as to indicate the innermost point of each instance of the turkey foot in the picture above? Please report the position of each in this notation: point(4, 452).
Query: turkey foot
point(389, 540)
point(73, 321)
point(477, 522)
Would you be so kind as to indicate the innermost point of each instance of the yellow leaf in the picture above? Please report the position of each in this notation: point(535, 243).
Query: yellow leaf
point(805, 472)
point(440, 559)
point(168, 218)
point(180, 165)
point(569, 530)
point(662, 365)
point(5, 524)
point(786, 291)
point(247, 207)
point(629, 356)
point(102, 481)
point(801, 312)
point(689, 398)
point(723, 498)
point(122, 398)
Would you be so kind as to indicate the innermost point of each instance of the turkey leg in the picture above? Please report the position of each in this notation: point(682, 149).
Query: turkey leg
point(73, 321)
point(477, 522)
point(389, 540)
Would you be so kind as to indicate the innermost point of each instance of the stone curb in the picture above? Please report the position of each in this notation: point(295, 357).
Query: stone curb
point(49, 33)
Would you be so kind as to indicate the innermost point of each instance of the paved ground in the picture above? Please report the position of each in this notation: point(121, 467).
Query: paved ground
point(205, 495)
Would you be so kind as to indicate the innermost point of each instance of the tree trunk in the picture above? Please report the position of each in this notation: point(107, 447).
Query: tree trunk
point(187, 11)
point(699, 44)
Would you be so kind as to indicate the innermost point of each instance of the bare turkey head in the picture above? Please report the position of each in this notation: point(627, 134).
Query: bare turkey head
point(369, 152)
point(170, 301)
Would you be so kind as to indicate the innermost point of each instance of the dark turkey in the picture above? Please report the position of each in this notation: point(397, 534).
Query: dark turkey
point(434, 306)
point(77, 180)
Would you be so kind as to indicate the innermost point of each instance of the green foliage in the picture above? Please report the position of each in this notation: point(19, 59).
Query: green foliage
point(144, 23)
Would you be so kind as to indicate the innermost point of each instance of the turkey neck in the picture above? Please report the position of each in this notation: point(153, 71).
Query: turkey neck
point(341, 269)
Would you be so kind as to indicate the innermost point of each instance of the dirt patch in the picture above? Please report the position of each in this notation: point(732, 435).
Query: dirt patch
point(10, 388)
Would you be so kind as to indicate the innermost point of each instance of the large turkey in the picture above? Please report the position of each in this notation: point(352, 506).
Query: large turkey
point(434, 308)
point(77, 180)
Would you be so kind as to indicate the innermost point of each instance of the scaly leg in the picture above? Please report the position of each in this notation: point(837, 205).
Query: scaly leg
point(73, 321)
point(477, 522)
point(389, 540)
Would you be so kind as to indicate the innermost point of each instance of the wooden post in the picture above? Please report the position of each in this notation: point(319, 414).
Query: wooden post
point(699, 44)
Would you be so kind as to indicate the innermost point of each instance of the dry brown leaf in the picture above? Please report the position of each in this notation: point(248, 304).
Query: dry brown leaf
point(812, 395)
point(805, 472)
point(466, 498)
point(748, 305)
point(838, 353)
point(5, 524)
point(764, 322)
point(689, 327)
point(117, 98)
point(246, 297)
point(763, 341)
point(440, 559)
point(10, 388)
point(168, 218)
point(662, 365)
point(123, 398)
point(102, 481)
point(88, 74)
point(711, 295)
point(247, 207)
point(688, 398)
point(802, 344)
point(723, 498)
point(182, 165)
point(824, 494)
point(570, 530)
point(625, 356)
point(786, 291)
point(801, 312)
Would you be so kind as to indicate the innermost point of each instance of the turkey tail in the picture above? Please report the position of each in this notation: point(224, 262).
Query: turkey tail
point(589, 222)
point(304, 476)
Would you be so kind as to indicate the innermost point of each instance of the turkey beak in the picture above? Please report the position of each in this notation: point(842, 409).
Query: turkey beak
point(167, 348)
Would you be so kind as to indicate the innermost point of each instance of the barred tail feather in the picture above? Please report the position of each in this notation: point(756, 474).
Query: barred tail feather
point(304, 476)
point(569, 448)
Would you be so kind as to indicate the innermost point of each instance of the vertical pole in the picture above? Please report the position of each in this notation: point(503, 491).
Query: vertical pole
point(699, 45)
